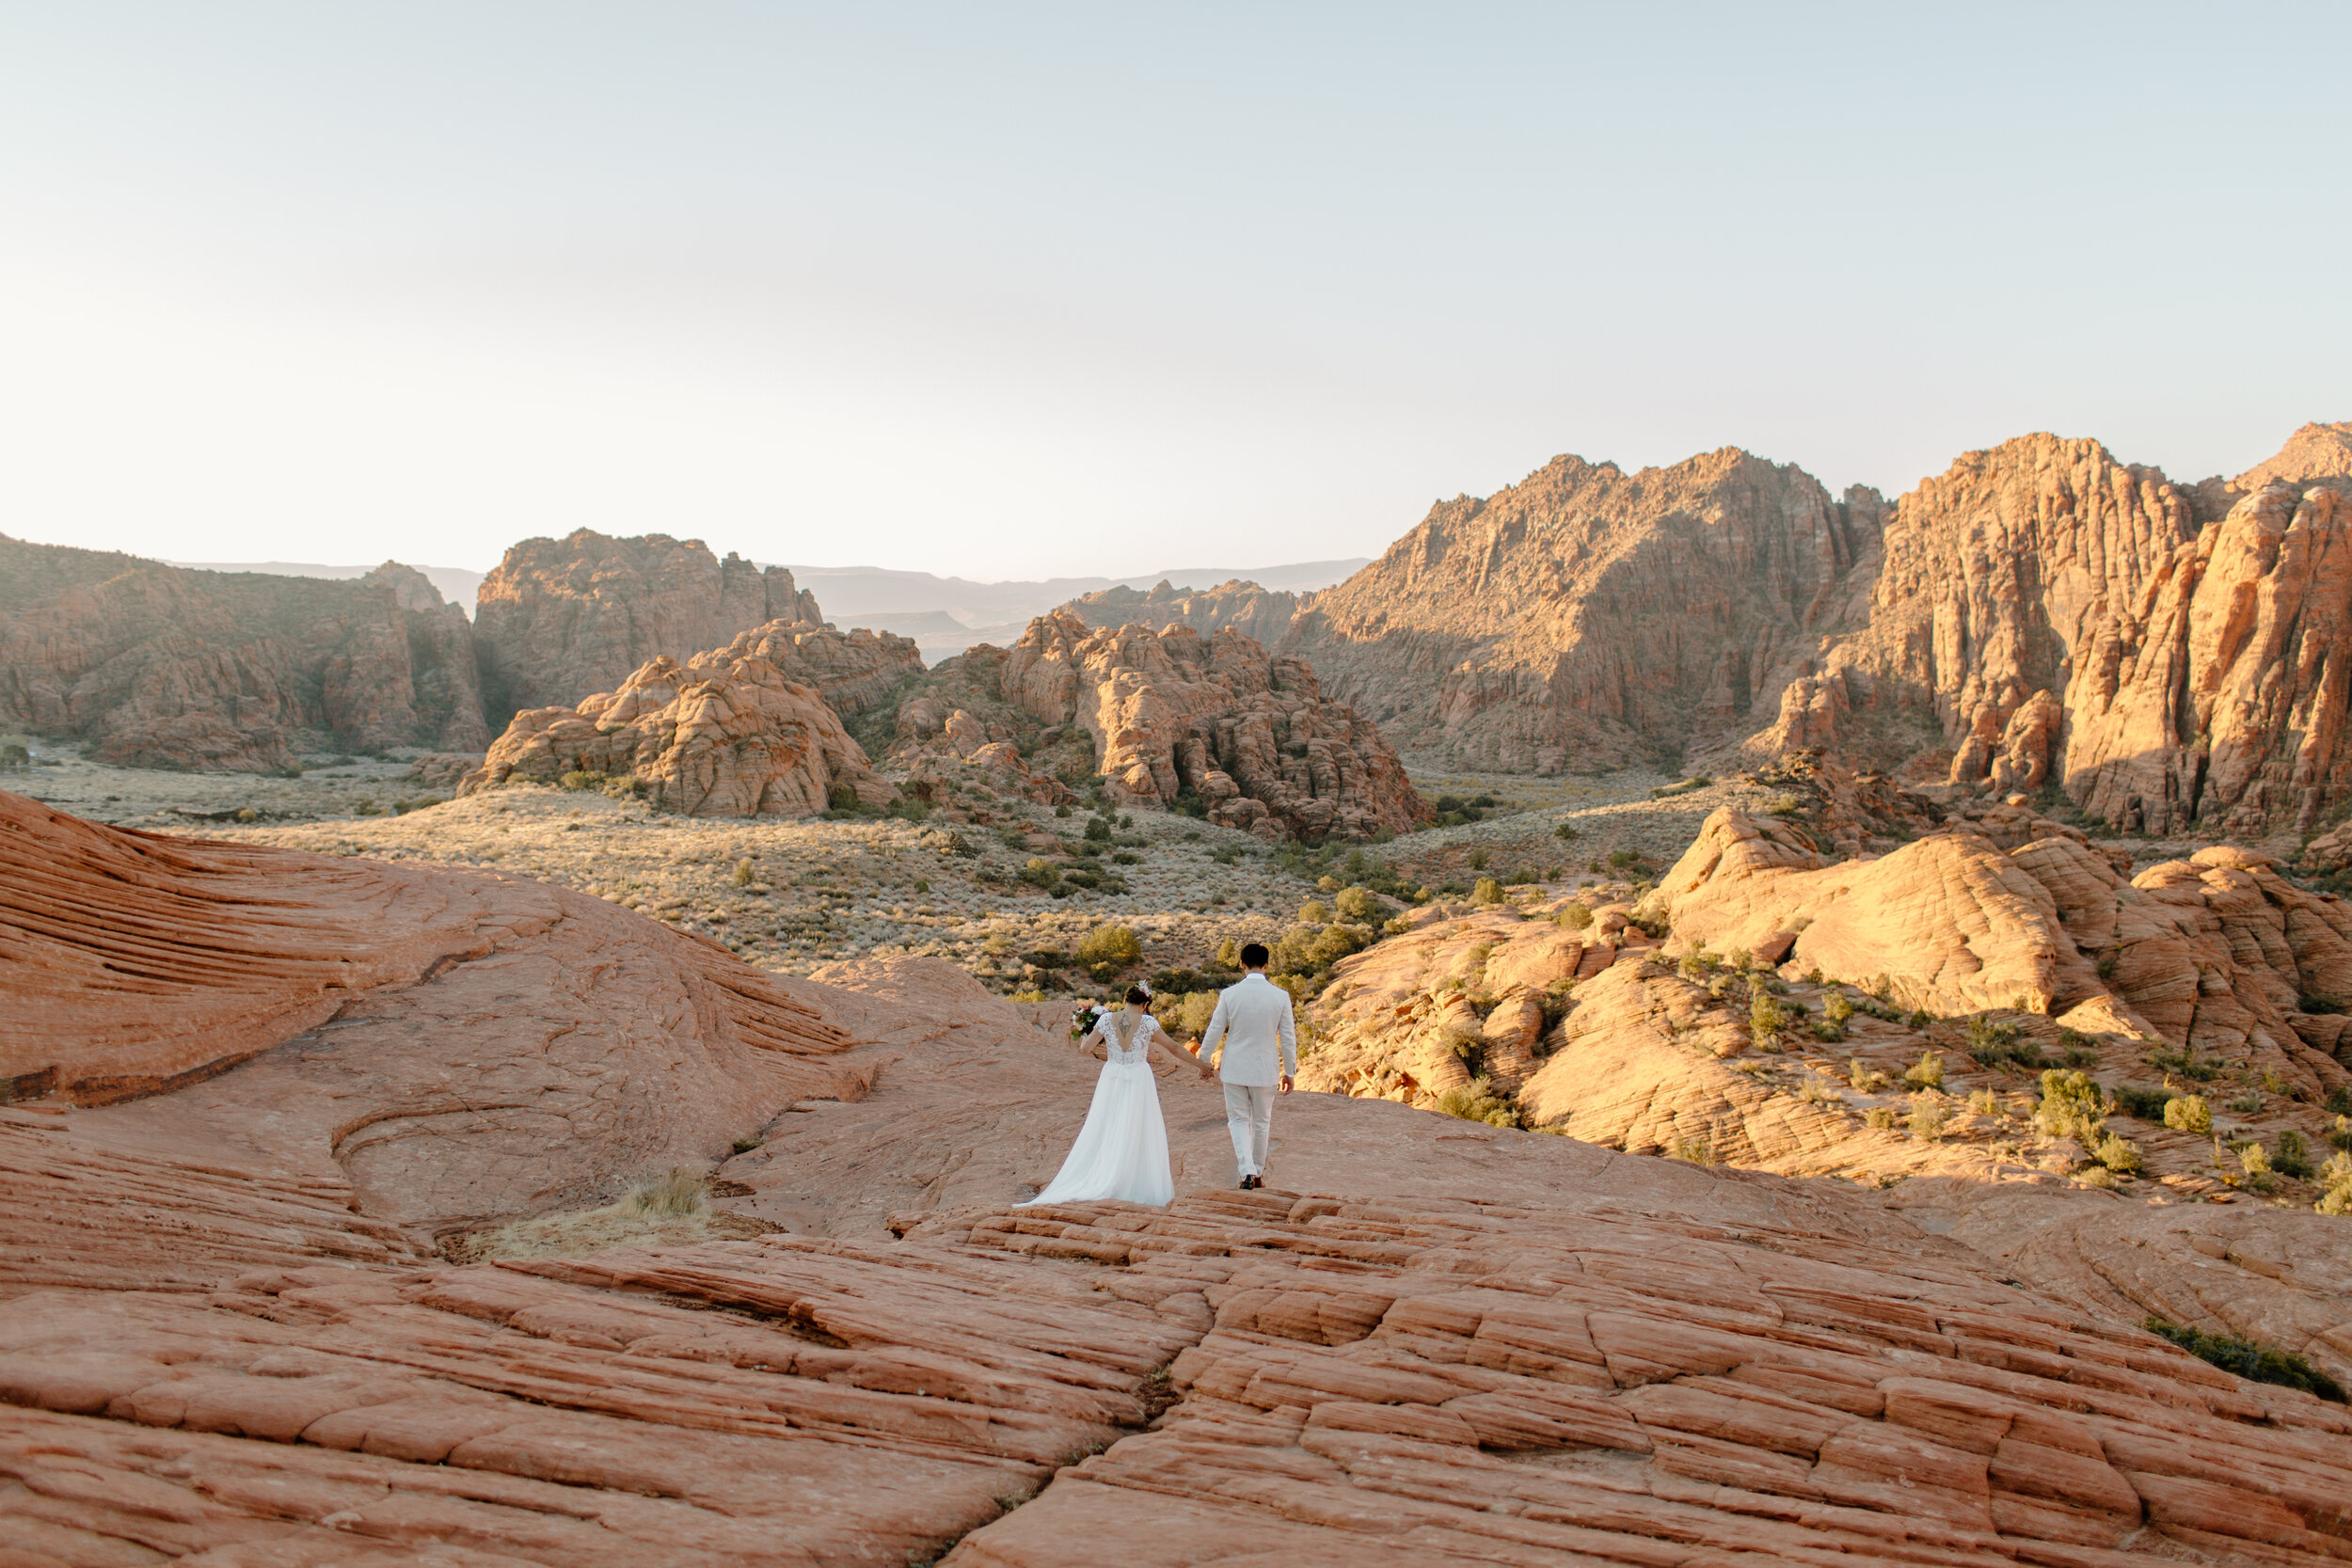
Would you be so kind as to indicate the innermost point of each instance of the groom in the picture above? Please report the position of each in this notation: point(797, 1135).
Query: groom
point(1250, 1017)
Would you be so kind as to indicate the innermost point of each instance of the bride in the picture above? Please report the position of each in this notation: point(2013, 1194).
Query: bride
point(1121, 1152)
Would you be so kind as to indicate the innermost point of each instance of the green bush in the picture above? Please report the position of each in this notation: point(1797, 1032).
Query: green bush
point(1576, 917)
point(2120, 1155)
point(1489, 891)
point(2335, 1179)
point(579, 778)
point(1098, 830)
point(15, 759)
point(1566, 830)
point(1357, 903)
point(1863, 1077)
point(1477, 1103)
point(2292, 1156)
point(1109, 949)
point(2072, 1107)
point(1478, 860)
point(2189, 1113)
point(1314, 912)
point(2252, 1359)
point(2142, 1104)
point(745, 873)
point(1927, 1113)
point(1040, 872)
point(1927, 1072)
point(1766, 1020)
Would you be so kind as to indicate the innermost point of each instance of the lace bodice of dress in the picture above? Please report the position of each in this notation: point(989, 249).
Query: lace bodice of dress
point(1127, 1036)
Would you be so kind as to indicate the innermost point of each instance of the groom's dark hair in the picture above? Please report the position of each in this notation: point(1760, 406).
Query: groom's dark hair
point(1254, 956)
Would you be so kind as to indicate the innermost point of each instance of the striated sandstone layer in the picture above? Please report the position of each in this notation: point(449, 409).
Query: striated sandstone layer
point(1492, 1346)
point(464, 1045)
point(162, 666)
point(1245, 606)
point(1172, 717)
point(738, 732)
point(1586, 618)
point(558, 619)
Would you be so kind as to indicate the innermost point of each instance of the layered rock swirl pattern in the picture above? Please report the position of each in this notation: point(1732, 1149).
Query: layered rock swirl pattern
point(161, 666)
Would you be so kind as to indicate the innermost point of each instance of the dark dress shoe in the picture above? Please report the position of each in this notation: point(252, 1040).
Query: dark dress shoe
point(1248, 1183)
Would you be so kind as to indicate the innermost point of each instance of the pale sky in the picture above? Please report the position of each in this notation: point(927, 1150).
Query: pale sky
point(1011, 290)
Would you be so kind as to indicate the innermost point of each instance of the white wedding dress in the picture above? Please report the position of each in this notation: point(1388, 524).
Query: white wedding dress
point(1121, 1152)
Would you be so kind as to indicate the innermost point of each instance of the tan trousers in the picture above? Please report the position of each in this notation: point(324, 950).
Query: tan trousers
point(1249, 1117)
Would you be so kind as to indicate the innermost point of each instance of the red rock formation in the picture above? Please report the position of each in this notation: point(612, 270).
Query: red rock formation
point(221, 1333)
point(730, 734)
point(1587, 617)
point(561, 618)
point(1252, 736)
point(2172, 656)
point(1245, 606)
point(469, 1046)
point(164, 666)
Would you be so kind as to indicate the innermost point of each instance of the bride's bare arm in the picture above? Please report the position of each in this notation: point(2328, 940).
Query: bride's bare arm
point(1174, 1053)
point(1094, 1046)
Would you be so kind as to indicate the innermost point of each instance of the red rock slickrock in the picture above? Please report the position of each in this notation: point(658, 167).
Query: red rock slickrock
point(558, 619)
point(162, 666)
point(467, 1044)
point(1262, 614)
point(219, 1343)
point(740, 731)
point(1587, 617)
point(1252, 736)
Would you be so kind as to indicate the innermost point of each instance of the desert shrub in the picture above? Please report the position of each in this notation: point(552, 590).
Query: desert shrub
point(1766, 1018)
point(1109, 949)
point(1620, 859)
point(1991, 1043)
point(1478, 860)
point(1829, 1031)
point(2247, 1104)
point(1126, 857)
point(2097, 1176)
point(1098, 830)
point(15, 759)
point(840, 795)
point(2340, 1100)
point(2254, 1160)
point(1478, 1103)
point(1882, 1116)
point(579, 778)
point(2318, 1002)
point(2341, 1134)
point(1928, 1115)
point(1984, 1102)
point(2188, 1112)
point(2120, 1155)
point(1397, 926)
point(1576, 917)
point(675, 1192)
point(1860, 1075)
point(1927, 1072)
point(2335, 1177)
point(2292, 1156)
point(1566, 830)
point(1062, 810)
point(2252, 1359)
point(2072, 1107)
point(1837, 1008)
point(2143, 1104)
point(1783, 805)
point(1489, 891)
point(2185, 1063)
point(746, 1143)
point(1358, 904)
point(1314, 912)
point(745, 873)
point(1040, 872)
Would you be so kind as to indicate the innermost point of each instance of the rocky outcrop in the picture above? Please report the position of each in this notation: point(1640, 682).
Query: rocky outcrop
point(562, 618)
point(1587, 617)
point(223, 1332)
point(2172, 656)
point(1176, 718)
point(161, 666)
point(470, 1047)
point(1244, 606)
point(732, 733)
